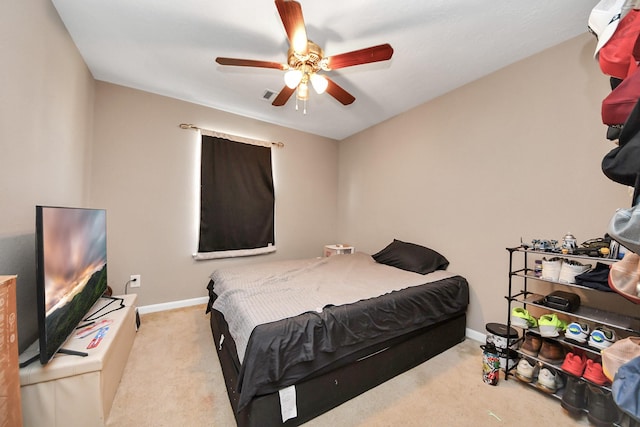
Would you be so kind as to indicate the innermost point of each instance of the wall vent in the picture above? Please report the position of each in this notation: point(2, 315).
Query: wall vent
point(268, 94)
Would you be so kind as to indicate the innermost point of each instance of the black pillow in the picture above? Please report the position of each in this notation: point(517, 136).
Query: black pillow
point(411, 257)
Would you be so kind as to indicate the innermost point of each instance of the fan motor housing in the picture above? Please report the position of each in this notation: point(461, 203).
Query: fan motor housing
point(311, 59)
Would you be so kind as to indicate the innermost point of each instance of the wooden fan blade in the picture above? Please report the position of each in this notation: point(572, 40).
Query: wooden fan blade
point(283, 96)
point(291, 15)
point(250, 63)
point(381, 52)
point(338, 93)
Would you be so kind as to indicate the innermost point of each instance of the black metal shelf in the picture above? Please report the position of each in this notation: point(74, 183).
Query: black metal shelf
point(619, 322)
point(559, 393)
point(527, 273)
point(558, 368)
point(590, 314)
point(560, 254)
point(562, 340)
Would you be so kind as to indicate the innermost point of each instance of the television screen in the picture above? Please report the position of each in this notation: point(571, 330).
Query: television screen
point(71, 273)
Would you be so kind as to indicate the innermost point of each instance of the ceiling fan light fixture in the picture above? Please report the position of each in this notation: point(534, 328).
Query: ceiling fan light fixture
point(292, 78)
point(319, 83)
point(303, 91)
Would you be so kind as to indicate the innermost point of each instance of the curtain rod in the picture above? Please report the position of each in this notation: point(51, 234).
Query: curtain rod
point(231, 137)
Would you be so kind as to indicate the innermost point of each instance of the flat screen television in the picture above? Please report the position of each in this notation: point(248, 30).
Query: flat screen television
point(71, 271)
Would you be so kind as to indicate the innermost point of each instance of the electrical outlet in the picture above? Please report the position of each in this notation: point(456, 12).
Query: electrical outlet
point(135, 281)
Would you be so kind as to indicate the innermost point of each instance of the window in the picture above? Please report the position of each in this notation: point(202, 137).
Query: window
point(236, 199)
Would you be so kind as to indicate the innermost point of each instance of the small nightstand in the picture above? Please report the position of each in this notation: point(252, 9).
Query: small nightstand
point(338, 249)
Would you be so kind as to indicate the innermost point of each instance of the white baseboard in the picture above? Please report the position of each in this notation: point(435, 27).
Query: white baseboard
point(172, 305)
point(475, 335)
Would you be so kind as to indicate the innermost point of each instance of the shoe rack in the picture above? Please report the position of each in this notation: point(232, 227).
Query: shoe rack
point(527, 297)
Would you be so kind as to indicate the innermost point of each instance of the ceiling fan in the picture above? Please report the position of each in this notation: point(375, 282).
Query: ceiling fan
point(306, 59)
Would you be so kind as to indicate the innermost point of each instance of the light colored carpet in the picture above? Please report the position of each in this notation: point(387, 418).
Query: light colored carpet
point(173, 378)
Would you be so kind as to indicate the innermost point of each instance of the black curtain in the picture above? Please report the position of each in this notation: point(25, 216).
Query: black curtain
point(236, 196)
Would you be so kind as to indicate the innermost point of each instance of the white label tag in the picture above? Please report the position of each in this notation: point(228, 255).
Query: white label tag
point(288, 405)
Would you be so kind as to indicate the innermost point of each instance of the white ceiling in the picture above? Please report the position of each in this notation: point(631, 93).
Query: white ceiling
point(168, 47)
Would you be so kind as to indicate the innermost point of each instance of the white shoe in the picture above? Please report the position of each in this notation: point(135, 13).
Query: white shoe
point(524, 371)
point(551, 268)
point(547, 380)
point(601, 338)
point(578, 332)
point(570, 269)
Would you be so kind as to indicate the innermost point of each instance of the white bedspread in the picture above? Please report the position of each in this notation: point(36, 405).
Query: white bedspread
point(261, 293)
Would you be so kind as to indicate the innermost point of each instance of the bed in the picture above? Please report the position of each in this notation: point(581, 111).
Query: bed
point(297, 338)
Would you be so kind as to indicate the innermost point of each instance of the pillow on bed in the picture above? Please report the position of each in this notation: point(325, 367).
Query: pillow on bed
point(411, 257)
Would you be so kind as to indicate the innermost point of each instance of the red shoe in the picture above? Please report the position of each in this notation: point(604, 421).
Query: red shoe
point(593, 373)
point(574, 364)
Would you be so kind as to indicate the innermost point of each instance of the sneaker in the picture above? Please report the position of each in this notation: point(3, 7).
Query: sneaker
point(574, 364)
point(551, 268)
point(577, 332)
point(574, 398)
point(522, 319)
point(525, 370)
point(593, 372)
point(602, 338)
point(551, 352)
point(550, 325)
point(547, 380)
point(570, 269)
point(601, 408)
point(531, 345)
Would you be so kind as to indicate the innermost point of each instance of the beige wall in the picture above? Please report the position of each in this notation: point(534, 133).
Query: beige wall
point(515, 154)
point(144, 172)
point(46, 113)
point(46, 117)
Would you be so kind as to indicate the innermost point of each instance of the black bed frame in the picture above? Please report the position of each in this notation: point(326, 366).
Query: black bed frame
point(326, 390)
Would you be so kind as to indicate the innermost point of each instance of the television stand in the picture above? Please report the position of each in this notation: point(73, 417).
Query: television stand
point(79, 390)
point(62, 350)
